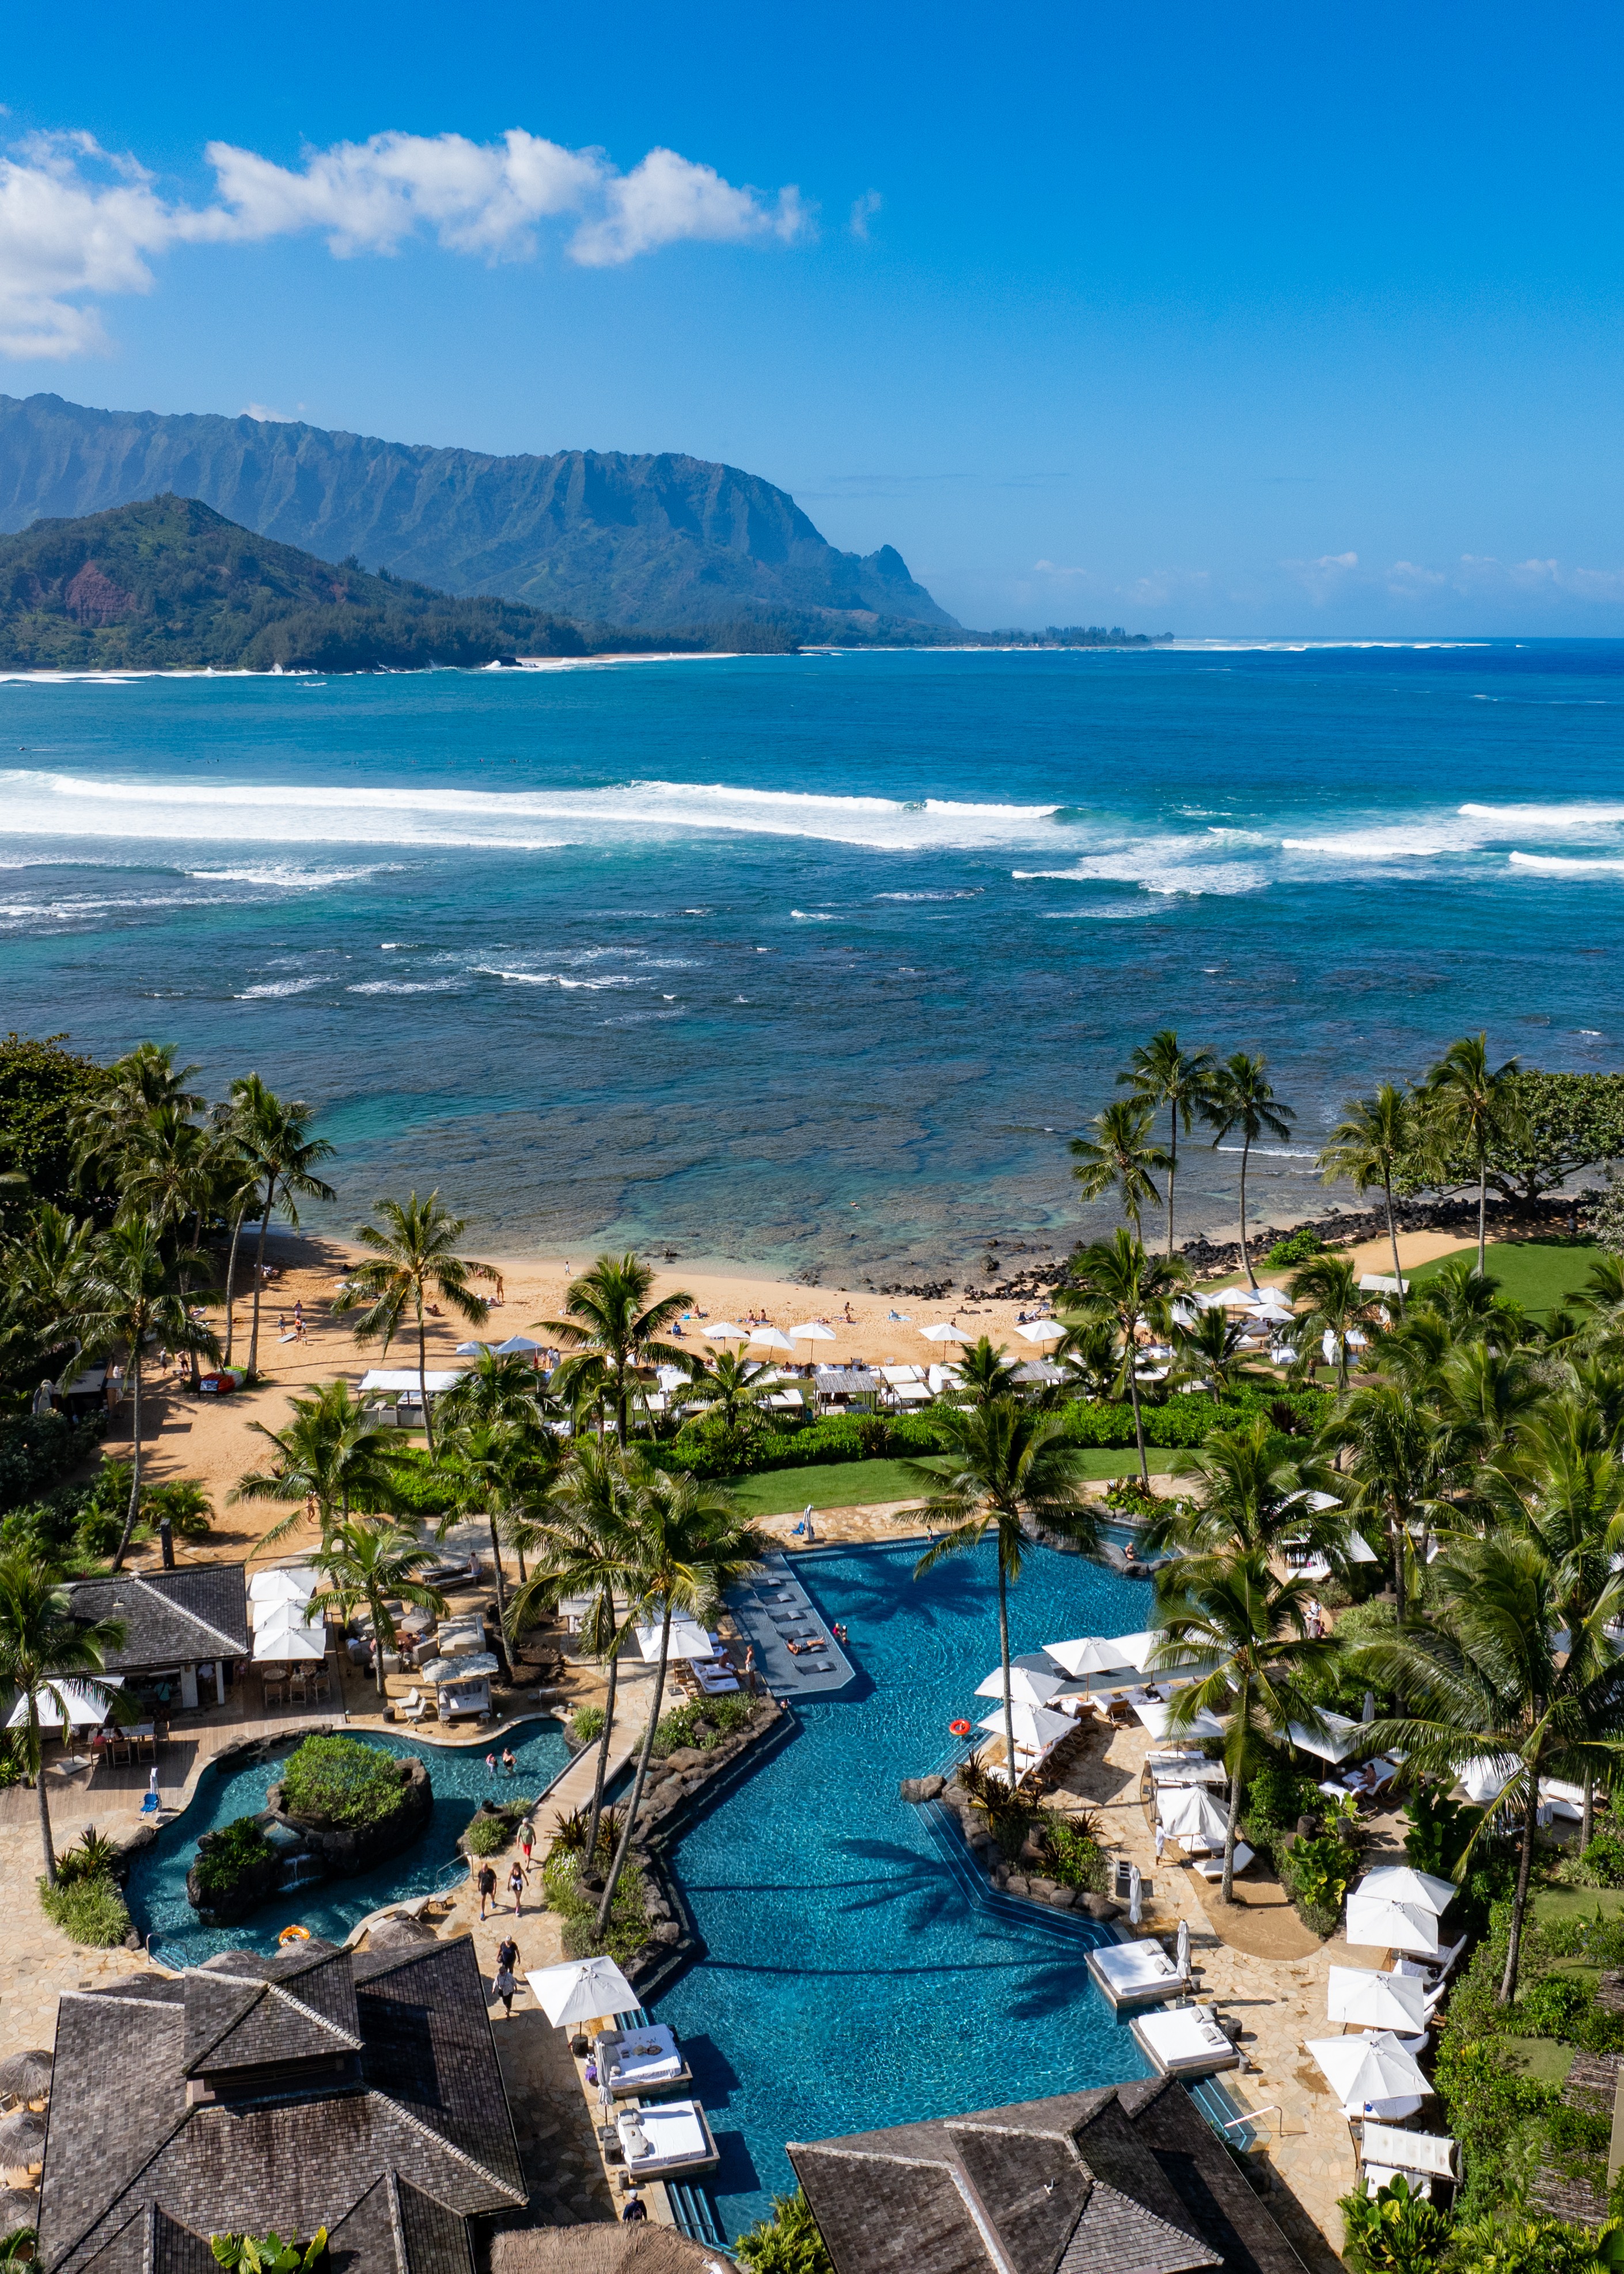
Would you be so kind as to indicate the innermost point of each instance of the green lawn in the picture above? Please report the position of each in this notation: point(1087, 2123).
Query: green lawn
point(859, 1484)
point(1575, 1902)
point(1539, 1274)
point(1546, 2060)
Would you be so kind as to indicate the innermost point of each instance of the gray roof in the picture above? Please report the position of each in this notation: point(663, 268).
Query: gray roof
point(847, 1380)
point(1126, 2179)
point(171, 1618)
point(317, 2088)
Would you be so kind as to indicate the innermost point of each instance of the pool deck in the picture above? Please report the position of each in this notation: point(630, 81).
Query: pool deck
point(775, 1610)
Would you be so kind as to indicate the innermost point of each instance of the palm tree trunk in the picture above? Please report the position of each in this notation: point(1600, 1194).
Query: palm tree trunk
point(1172, 1177)
point(501, 1593)
point(1242, 1709)
point(1482, 1203)
point(1587, 1825)
point(380, 1619)
point(38, 1751)
point(264, 1225)
point(1398, 1268)
point(635, 1802)
point(428, 1418)
point(1246, 1252)
point(1398, 1535)
point(1519, 1901)
point(1003, 1660)
point(619, 1406)
point(596, 1816)
point(237, 1234)
point(1139, 1419)
point(135, 1454)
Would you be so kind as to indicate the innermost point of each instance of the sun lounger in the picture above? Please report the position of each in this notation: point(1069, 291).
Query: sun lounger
point(1183, 2041)
point(1211, 1867)
point(644, 2060)
point(667, 2141)
point(1422, 2157)
point(1435, 1970)
point(1135, 1974)
point(412, 1707)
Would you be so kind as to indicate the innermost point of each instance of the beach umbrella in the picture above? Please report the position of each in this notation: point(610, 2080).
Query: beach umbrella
point(688, 1639)
point(1365, 2070)
point(581, 1990)
point(516, 1344)
point(1398, 1883)
point(1035, 1727)
point(69, 1702)
point(1181, 1956)
point(1338, 1740)
point(945, 1331)
point(22, 2139)
point(1368, 1713)
point(288, 1584)
point(771, 1338)
point(1042, 1330)
point(1027, 1685)
point(1189, 1812)
point(810, 1331)
point(471, 1350)
point(1375, 2001)
point(1373, 1924)
point(725, 1331)
point(26, 2075)
point(1089, 1655)
point(1485, 1781)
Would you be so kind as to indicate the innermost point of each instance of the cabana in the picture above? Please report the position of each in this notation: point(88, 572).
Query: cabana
point(394, 1394)
point(1037, 1733)
point(1135, 1974)
point(844, 1388)
point(460, 1685)
point(1183, 2041)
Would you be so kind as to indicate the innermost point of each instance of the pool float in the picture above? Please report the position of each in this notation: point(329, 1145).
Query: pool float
point(959, 1728)
point(294, 1934)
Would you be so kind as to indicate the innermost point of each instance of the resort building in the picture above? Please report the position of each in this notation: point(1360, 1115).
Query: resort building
point(1127, 2179)
point(184, 1630)
point(358, 2091)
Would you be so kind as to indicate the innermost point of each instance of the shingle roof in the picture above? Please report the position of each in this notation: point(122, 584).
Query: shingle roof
point(1122, 2181)
point(398, 2145)
point(596, 2247)
point(170, 1617)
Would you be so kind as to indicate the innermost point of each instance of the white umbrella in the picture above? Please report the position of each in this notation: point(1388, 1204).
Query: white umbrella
point(688, 1639)
point(583, 1989)
point(1364, 2069)
point(770, 1338)
point(286, 1632)
point(291, 1585)
point(1042, 1330)
point(1398, 1883)
point(1088, 1654)
point(945, 1331)
point(1028, 1686)
point(88, 1704)
point(1181, 1950)
point(1158, 1719)
point(1375, 2001)
point(810, 1331)
point(1375, 1925)
point(1035, 1726)
point(515, 1343)
point(1192, 1815)
point(725, 1331)
point(1339, 1740)
point(1485, 1781)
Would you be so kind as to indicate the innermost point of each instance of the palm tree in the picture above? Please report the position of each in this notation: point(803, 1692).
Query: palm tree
point(610, 1318)
point(1254, 1498)
point(1395, 1456)
point(413, 1252)
point(41, 1645)
point(1235, 1609)
point(145, 1080)
point(1470, 1305)
point(371, 1564)
point(132, 1290)
point(501, 1471)
point(278, 1163)
point(172, 1168)
point(1241, 1097)
point(1005, 1468)
point(1215, 1350)
point(985, 1375)
point(1375, 1138)
point(1091, 1359)
point(45, 1266)
point(1121, 1156)
point(730, 1386)
point(691, 1544)
point(1493, 1675)
point(1472, 1105)
point(1160, 1073)
point(1119, 1285)
point(1336, 1306)
point(499, 1386)
point(585, 1541)
point(333, 1452)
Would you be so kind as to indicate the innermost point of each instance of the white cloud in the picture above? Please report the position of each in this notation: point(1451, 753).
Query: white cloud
point(78, 224)
point(863, 210)
point(267, 416)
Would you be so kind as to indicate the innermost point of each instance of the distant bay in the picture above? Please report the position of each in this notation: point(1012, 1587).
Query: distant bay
point(814, 963)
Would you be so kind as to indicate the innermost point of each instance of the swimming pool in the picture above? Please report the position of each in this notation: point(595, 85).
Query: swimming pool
point(852, 1979)
point(157, 1888)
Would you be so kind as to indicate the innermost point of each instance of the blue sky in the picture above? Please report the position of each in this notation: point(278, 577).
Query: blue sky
point(1272, 320)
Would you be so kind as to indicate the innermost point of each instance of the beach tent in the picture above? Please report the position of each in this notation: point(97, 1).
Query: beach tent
point(69, 1703)
point(1373, 1924)
point(1399, 1883)
point(1157, 1716)
point(1368, 2072)
point(688, 1639)
point(471, 1665)
point(1189, 1813)
point(581, 1990)
point(1369, 2000)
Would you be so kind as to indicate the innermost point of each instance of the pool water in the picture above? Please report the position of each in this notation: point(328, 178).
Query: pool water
point(331, 1908)
point(852, 1978)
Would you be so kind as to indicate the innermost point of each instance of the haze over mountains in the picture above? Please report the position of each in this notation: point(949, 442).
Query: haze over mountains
point(652, 542)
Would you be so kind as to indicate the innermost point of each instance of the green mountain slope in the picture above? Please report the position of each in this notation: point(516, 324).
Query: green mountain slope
point(598, 536)
point(169, 583)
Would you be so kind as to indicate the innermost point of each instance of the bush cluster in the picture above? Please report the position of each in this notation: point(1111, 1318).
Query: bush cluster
point(487, 1836)
point(38, 1450)
point(90, 1911)
point(1296, 1248)
point(1073, 1856)
point(229, 1855)
point(786, 2243)
point(629, 1920)
point(711, 1451)
point(701, 1724)
point(585, 1723)
point(340, 1780)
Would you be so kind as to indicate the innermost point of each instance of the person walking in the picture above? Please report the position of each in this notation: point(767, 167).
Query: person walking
point(504, 1985)
point(516, 1885)
point(527, 1842)
point(487, 1887)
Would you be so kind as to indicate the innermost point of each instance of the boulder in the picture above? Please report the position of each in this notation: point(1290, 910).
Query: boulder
point(1017, 1883)
point(1099, 1907)
point(1039, 1885)
point(917, 1788)
point(687, 1757)
point(1064, 1899)
point(667, 1931)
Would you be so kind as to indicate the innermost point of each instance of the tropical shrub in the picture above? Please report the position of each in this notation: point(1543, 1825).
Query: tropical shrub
point(1296, 1248)
point(569, 1838)
point(786, 2243)
point(268, 2254)
point(486, 1835)
point(93, 1858)
point(185, 1502)
point(1601, 1865)
point(1393, 2232)
point(701, 1722)
point(1534, 2245)
point(340, 1780)
point(1489, 2105)
point(90, 1911)
point(1274, 1800)
point(585, 1723)
point(1319, 1872)
point(37, 1449)
point(1073, 1854)
point(226, 1857)
point(628, 1919)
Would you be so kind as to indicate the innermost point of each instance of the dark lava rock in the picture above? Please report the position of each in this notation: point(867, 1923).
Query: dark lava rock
point(925, 1787)
point(1099, 1907)
point(348, 1850)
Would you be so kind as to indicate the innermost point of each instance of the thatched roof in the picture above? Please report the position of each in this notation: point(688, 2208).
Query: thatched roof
point(596, 2247)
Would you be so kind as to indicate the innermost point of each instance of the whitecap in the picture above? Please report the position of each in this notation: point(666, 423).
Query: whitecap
point(400, 987)
point(551, 978)
point(290, 878)
point(804, 916)
point(278, 986)
point(1557, 864)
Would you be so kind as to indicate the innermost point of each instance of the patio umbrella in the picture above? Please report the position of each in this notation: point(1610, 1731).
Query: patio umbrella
point(1375, 2001)
point(1397, 1883)
point(288, 1634)
point(1375, 1925)
point(1181, 1954)
point(1042, 1330)
point(1090, 1654)
point(87, 1704)
point(1027, 1685)
point(810, 1331)
point(945, 1331)
point(1363, 2069)
point(1189, 1812)
point(583, 1989)
point(289, 1584)
point(27, 2076)
point(22, 2139)
point(771, 1338)
point(725, 1331)
point(1485, 1781)
point(1340, 1737)
point(1035, 1727)
point(688, 1639)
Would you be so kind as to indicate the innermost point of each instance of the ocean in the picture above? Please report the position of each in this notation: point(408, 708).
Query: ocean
point(813, 964)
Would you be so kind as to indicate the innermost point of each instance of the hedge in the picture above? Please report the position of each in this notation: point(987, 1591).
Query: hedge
point(37, 1449)
point(1188, 1421)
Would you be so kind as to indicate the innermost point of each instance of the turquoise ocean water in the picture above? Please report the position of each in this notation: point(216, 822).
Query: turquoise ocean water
point(816, 961)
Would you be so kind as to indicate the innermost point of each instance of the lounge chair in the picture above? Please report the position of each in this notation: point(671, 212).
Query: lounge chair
point(1211, 1867)
point(412, 1707)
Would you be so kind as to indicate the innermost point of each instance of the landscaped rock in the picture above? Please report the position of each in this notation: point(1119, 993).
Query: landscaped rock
point(1064, 1899)
point(925, 1787)
point(1018, 1883)
point(666, 1931)
point(349, 1849)
point(1099, 1907)
point(1047, 1888)
point(688, 1756)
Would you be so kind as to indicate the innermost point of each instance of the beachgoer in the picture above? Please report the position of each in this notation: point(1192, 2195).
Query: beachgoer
point(488, 1885)
point(749, 1667)
point(527, 1842)
point(503, 1984)
point(509, 1765)
point(507, 1954)
point(490, 1764)
point(298, 1309)
point(516, 1885)
point(1160, 1842)
point(838, 1632)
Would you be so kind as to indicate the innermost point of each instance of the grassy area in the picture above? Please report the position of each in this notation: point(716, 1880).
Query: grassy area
point(1539, 1274)
point(860, 1484)
point(1576, 1902)
point(1545, 2059)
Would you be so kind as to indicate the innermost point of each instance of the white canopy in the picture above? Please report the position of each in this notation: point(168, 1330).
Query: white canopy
point(87, 1704)
point(771, 1338)
point(454, 1635)
point(510, 1348)
point(1485, 1781)
point(288, 1584)
point(810, 1331)
point(1365, 2070)
point(583, 1989)
point(1397, 1883)
point(403, 1377)
point(1035, 1726)
point(688, 1639)
point(1371, 1283)
point(1156, 1716)
point(1339, 1740)
point(945, 1331)
point(1042, 1330)
point(1029, 1685)
point(1189, 1812)
point(1375, 2001)
point(468, 1666)
point(725, 1331)
point(283, 1630)
point(1373, 1924)
point(1091, 1655)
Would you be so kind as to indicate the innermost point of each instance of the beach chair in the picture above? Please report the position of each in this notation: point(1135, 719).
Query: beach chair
point(412, 1707)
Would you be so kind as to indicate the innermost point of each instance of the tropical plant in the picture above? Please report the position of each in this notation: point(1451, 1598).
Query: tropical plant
point(1336, 1306)
point(1253, 1495)
point(1394, 2232)
point(1395, 1470)
point(729, 1389)
point(1240, 1095)
point(985, 1375)
point(615, 1327)
point(1213, 1349)
point(1092, 1361)
point(1160, 1073)
point(277, 1168)
point(501, 1471)
point(1122, 1156)
point(42, 1645)
point(343, 1780)
point(108, 1121)
point(268, 2254)
point(1008, 1474)
point(333, 1452)
point(1371, 1143)
point(786, 2243)
point(1118, 1285)
point(411, 1254)
point(499, 1386)
point(1473, 1105)
point(370, 1564)
point(130, 1292)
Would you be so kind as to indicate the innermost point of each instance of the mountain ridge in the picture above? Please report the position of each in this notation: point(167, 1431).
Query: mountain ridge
point(649, 540)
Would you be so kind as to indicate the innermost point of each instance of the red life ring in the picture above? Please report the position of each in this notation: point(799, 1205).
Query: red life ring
point(959, 1728)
